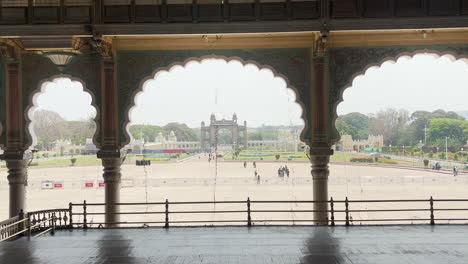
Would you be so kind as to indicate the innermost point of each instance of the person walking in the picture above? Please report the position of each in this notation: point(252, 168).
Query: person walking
point(455, 171)
point(245, 164)
point(254, 164)
point(258, 178)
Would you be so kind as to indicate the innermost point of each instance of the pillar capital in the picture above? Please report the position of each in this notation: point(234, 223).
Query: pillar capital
point(320, 166)
point(111, 161)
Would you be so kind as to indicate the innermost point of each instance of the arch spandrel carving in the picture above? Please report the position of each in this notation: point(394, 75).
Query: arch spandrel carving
point(293, 65)
point(348, 63)
point(37, 69)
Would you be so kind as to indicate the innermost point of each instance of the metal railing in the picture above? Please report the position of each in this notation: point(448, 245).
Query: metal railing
point(241, 213)
point(34, 223)
point(250, 213)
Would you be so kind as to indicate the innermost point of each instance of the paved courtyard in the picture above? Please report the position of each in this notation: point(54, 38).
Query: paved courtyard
point(197, 180)
point(322, 245)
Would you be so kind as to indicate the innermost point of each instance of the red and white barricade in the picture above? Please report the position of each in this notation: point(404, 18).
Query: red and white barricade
point(89, 184)
point(58, 184)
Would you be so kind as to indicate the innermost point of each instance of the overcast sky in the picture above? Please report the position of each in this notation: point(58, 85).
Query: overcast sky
point(189, 95)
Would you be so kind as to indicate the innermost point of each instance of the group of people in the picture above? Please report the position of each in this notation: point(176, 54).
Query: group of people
point(211, 156)
point(257, 176)
point(254, 164)
point(283, 170)
point(437, 166)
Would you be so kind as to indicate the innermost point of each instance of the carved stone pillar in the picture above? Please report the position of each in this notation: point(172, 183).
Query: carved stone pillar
point(110, 152)
point(17, 180)
point(319, 142)
point(320, 174)
point(14, 145)
point(112, 180)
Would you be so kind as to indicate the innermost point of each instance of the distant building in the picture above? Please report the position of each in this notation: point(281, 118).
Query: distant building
point(89, 147)
point(348, 144)
point(66, 147)
point(161, 142)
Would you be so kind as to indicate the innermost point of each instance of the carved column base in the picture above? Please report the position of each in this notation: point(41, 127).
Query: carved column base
point(17, 180)
point(320, 174)
point(112, 178)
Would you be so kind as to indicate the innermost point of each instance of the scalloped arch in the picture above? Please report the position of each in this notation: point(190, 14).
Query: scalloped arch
point(199, 60)
point(32, 104)
point(453, 57)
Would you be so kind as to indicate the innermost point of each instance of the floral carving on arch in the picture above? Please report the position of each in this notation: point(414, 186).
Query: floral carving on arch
point(348, 63)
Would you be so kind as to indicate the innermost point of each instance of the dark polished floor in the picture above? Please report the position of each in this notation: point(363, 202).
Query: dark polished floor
point(219, 245)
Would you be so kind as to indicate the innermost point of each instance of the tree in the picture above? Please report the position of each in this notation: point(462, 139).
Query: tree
point(47, 127)
point(455, 130)
point(182, 132)
point(354, 124)
point(148, 133)
point(277, 156)
point(389, 123)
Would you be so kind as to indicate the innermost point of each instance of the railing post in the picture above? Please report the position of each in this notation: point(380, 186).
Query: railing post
point(249, 219)
point(21, 225)
point(431, 202)
point(29, 227)
point(53, 224)
point(167, 214)
point(85, 221)
point(70, 212)
point(332, 211)
point(347, 211)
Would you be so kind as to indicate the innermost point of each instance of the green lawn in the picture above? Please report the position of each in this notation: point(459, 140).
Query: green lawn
point(93, 160)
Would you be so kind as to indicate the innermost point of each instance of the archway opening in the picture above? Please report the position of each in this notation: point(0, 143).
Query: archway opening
point(226, 102)
point(61, 131)
point(406, 120)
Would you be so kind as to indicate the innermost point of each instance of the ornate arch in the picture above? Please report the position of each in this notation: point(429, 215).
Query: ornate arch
point(300, 86)
point(348, 63)
point(32, 104)
point(38, 69)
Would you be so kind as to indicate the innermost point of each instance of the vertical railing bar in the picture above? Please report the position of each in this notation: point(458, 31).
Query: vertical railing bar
point(166, 225)
point(431, 203)
point(249, 219)
point(70, 212)
point(347, 211)
point(29, 226)
point(332, 211)
point(85, 220)
point(53, 223)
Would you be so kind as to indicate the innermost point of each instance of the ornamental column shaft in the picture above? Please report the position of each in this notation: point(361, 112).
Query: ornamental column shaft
point(319, 143)
point(17, 181)
point(112, 179)
point(14, 150)
point(110, 153)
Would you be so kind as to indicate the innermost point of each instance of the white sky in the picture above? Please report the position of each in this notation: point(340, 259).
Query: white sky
point(67, 98)
point(423, 82)
point(189, 95)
